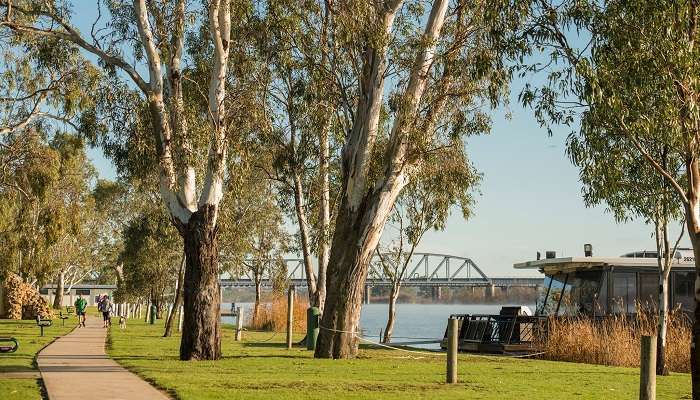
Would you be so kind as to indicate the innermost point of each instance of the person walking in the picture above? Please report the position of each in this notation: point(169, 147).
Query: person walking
point(106, 307)
point(80, 308)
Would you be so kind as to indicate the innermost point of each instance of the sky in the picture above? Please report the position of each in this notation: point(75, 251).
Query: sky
point(530, 199)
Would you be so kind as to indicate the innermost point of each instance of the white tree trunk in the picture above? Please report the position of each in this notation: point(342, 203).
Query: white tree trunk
point(325, 219)
point(362, 215)
point(59, 291)
point(300, 209)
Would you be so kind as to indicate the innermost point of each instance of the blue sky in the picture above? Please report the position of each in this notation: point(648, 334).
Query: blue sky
point(530, 198)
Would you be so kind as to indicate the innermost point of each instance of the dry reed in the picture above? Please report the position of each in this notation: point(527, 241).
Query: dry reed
point(615, 340)
point(272, 316)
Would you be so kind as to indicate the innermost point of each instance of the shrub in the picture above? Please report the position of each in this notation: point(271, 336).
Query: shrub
point(272, 316)
point(615, 340)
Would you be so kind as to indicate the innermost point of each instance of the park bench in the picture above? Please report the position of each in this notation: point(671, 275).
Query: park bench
point(41, 323)
point(6, 347)
point(63, 318)
point(68, 314)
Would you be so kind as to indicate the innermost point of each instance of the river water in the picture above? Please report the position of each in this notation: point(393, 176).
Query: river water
point(413, 321)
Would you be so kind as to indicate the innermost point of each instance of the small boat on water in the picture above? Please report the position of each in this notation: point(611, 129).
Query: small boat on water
point(579, 286)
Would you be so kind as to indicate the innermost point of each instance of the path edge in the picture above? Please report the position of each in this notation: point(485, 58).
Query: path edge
point(35, 364)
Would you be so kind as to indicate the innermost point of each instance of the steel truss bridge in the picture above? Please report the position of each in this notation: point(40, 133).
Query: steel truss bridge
point(424, 269)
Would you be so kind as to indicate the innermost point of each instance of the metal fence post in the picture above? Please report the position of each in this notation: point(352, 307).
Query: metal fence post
point(452, 345)
point(290, 315)
point(647, 369)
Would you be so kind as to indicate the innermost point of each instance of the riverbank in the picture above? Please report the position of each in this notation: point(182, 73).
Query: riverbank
point(261, 368)
point(19, 377)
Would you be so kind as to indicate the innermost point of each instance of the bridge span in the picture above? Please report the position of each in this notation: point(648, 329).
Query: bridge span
point(425, 269)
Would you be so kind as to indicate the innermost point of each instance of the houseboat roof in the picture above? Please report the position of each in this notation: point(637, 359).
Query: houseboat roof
point(577, 263)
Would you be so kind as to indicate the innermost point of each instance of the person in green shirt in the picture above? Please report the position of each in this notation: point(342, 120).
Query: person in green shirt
point(80, 307)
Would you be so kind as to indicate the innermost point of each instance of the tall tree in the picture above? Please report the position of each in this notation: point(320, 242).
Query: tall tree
point(152, 33)
point(630, 76)
point(299, 112)
point(267, 241)
point(151, 257)
point(442, 75)
point(631, 188)
point(445, 181)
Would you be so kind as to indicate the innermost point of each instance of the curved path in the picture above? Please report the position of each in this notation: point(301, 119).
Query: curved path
point(77, 367)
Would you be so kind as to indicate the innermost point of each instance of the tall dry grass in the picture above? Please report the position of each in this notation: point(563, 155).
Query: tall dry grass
point(272, 316)
point(615, 340)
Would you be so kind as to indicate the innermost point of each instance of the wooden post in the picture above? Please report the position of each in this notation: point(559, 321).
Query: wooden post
point(239, 323)
point(452, 344)
point(647, 369)
point(290, 315)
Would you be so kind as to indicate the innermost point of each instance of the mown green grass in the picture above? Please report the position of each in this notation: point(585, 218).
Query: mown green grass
point(27, 333)
point(261, 368)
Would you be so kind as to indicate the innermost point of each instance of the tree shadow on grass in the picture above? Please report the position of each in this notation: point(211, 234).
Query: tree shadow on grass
point(269, 345)
point(16, 368)
point(146, 358)
point(252, 356)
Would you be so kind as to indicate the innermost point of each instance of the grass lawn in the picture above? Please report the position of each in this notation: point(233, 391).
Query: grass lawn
point(261, 368)
point(23, 359)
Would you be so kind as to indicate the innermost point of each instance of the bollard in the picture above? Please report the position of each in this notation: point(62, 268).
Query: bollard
point(313, 315)
point(452, 344)
point(152, 314)
point(290, 315)
point(647, 369)
point(239, 323)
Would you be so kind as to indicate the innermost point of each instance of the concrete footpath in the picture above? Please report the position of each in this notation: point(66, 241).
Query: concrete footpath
point(76, 366)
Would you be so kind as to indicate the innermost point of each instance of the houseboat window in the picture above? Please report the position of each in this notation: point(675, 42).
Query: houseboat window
point(649, 289)
point(683, 284)
point(624, 292)
point(555, 287)
point(583, 292)
point(573, 293)
point(543, 296)
point(601, 307)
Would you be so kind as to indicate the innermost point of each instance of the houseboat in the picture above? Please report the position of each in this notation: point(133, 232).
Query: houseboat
point(587, 285)
point(598, 286)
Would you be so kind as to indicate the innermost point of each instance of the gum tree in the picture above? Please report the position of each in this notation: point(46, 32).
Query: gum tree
point(440, 77)
point(631, 188)
point(300, 110)
point(628, 70)
point(142, 45)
